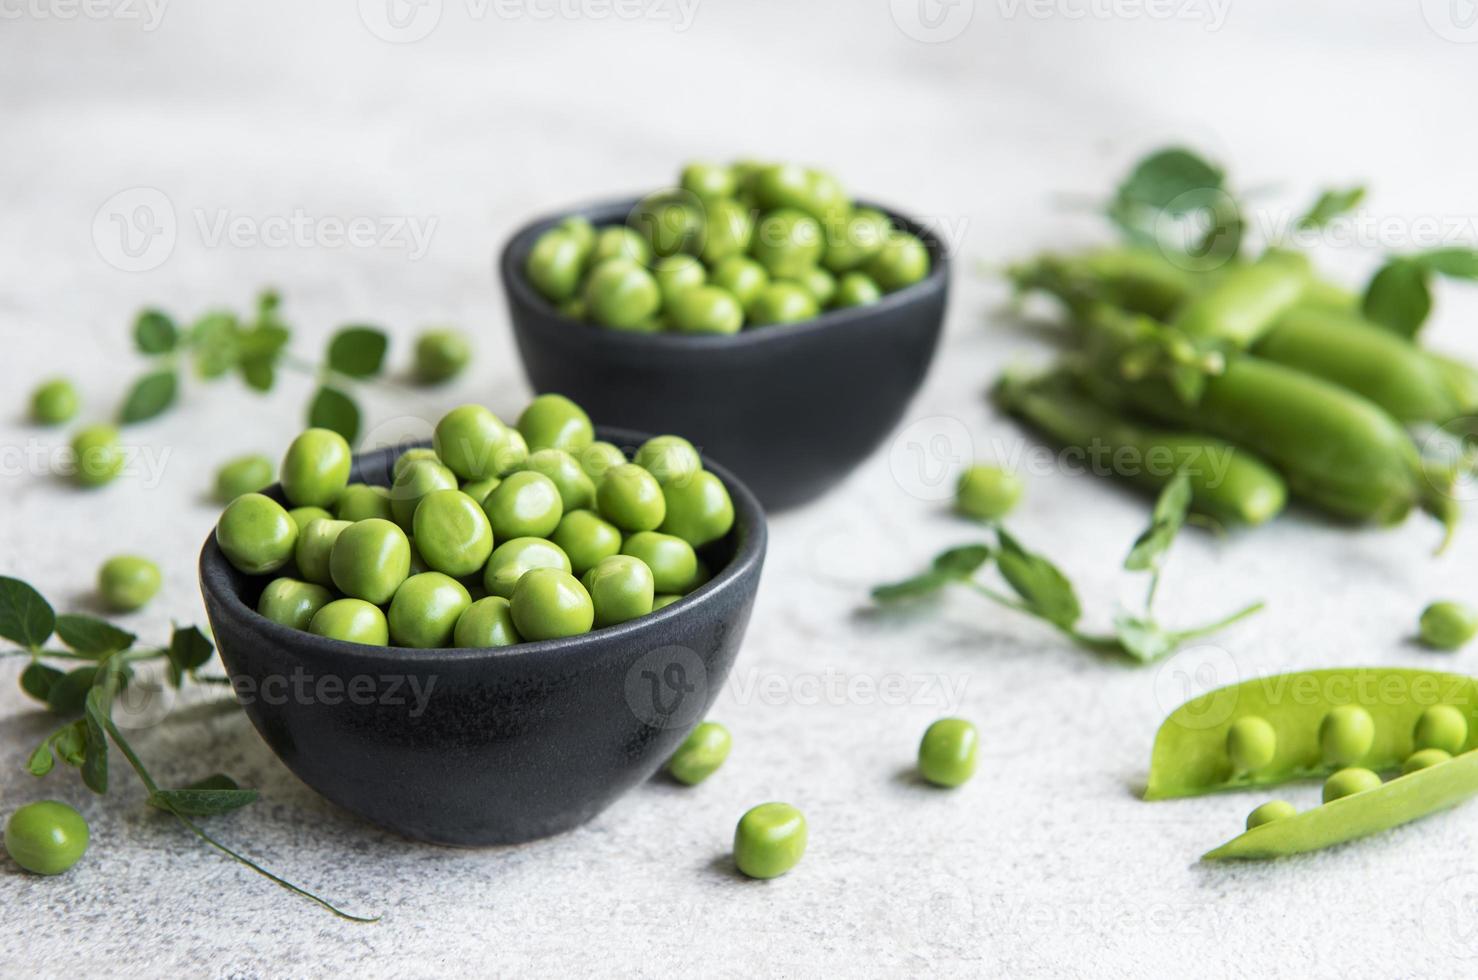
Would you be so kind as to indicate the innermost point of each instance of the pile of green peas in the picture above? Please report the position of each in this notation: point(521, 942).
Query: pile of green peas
point(733, 246)
point(497, 534)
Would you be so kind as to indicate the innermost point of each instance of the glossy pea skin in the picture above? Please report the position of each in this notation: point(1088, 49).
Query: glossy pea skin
point(787, 242)
point(128, 582)
point(99, 458)
point(619, 242)
point(781, 302)
point(292, 602)
point(360, 502)
point(244, 474)
point(859, 238)
point(352, 620)
point(677, 273)
point(441, 355)
point(478, 490)
point(303, 516)
point(1348, 782)
point(425, 611)
point(1269, 812)
point(582, 231)
point(728, 231)
point(314, 548)
point(707, 181)
point(1251, 743)
point(782, 185)
point(1448, 625)
point(769, 840)
point(670, 558)
point(54, 402)
point(256, 534)
point(552, 421)
point(947, 752)
point(512, 559)
point(370, 560)
point(488, 622)
point(452, 533)
point(576, 488)
point(660, 601)
point(701, 754)
point(474, 443)
point(622, 295)
point(46, 838)
point(855, 289)
point(902, 261)
point(987, 493)
point(524, 505)
point(668, 223)
point(420, 478)
point(631, 498)
point(701, 577)
point(818, 282)
point(742, 276)
point(1346, 734)
point(548, 604)
point(554, 265)
point(1424, 758)
point(698, 510)
point(1441, 726)
point(620, 589)
point(315, 469)
point(706, 310)
point(415, 454)
point(586, 538)
point(670, 459)
point(598, 457)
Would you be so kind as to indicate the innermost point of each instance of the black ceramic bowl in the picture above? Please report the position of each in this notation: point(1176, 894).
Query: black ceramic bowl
point(791, 408)
point(472, 746)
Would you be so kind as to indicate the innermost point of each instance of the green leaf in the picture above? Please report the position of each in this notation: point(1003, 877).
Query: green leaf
point(1398, 297)
point(95, 761)
point(1162, 180)
point(189, 650)
point(68, 694)
point(1044, 589)
point(71, 743)
point(925, 583)
point(155, 333)
point(216, 340)
point(260, 349)
point(1330, 204)
point(1455, 263)
point(332, 409)
point(41, 761)
point(1142, 639)
point(210, 796)
point(357, 351)
point(25, 617)
point(259, 375)
point(150, 396)
point(963, 561)
point(37, 680)
point(1169, 517)
point(86, 634)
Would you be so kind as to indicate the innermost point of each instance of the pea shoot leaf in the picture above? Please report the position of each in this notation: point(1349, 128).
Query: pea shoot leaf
point(1331, 204)
point(1169, 517)
point(189, 650)
point(95, 760)
point(357, 351)
point(41, 761)
point(332, 409)
point(210, 796)
point(962, 561)
point(71, 743)
point(952, 565)
point(216, 340)
point(68, 694)
point(151, 395)
point(1399, 297)
point(1455, 263)
point(1166, 188)
point(1142, 639)
point(92, 636)
point(1044, 589)
point(38, 679)
point(25, 617)
point(155, 333)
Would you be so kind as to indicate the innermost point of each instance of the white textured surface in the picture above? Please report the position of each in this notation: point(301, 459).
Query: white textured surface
point(1047, 862)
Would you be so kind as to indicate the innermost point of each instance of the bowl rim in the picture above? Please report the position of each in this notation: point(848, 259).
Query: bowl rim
point(749, 524)
point(517, 286)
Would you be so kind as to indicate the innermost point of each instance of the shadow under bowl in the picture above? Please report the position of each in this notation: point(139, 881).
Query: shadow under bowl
point(475, 747)
point(791, 408)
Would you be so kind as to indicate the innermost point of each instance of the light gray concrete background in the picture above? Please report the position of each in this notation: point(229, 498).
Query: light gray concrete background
point(221, 124)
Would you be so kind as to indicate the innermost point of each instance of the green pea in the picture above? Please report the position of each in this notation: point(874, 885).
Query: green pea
point(1448, 625)
point(441, 355)
point(782, 185)
point(586, 539)
point(670, 558)
point(316, 468)
point(360, 502)
point(1441, 727)
point(98, 456)
point(677, 273)
point(293, 603)
point(671, 459)
point(744, 277)
point(770, 840)
point(478, 490)
point(54, 402)
point(244, 474)
point(452, 533)
point(669, 226)
point(781, 302)
point(303, 516)
point(420, 478)
point(514, 453)
point(1348, 782)
point(701, 576)
point(818, 282)
point(619, 242)
point(512, 559)
point(256, 534)
point(576, 489)
point(370, 560)
point(947, 752)
point(352, 620)
point(787, 242)
point(698, 510)
point(664, 600)
point(708, 181)
point(1423, 758)
point(987, 493)
point(902, 261)
point(631, 498)
point(525, 504)
point(598, 457)
point(706, 310)
point(416, 454)
point(554, 422)
point(727, 232)
point(852, 243)
point(128, 582)
point(548, 604)
point(828, 198)
point(623, 295)
point(582, 231)
point(1269, 812)
point(1251, 744)
point(855, 289)
point(315, 546)
point(554, 265)
point(1346, 734)
point(486, 623)
point(620, 588)
point(701, 754)
point(474, 443)
point(46, 838)
point(425, 611)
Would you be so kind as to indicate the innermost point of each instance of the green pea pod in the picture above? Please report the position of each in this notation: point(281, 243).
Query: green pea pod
point(1392, 804)
point(1241, 305)
point(1191, 755)
point(1136, 280)
point(1227, 483)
